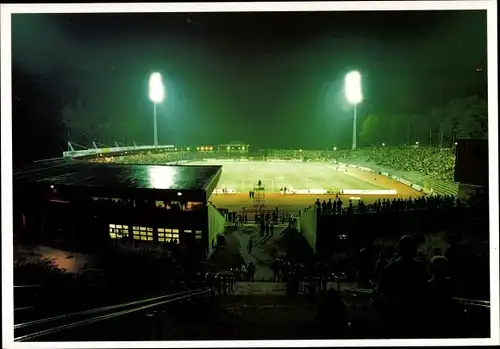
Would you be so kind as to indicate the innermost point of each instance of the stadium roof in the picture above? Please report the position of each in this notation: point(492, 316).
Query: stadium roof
point(118, 176)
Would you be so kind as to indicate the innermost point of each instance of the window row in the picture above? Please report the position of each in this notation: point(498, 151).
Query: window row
point(117, 231)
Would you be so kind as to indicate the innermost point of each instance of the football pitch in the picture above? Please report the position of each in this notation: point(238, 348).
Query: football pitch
point(243, 176)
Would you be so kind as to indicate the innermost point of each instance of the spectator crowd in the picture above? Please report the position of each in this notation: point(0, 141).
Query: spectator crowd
point(436, 202)
point(437, 163)
point(412, 291)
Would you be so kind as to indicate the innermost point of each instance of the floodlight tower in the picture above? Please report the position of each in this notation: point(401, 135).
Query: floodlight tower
point(156, 95)
point(354, 96)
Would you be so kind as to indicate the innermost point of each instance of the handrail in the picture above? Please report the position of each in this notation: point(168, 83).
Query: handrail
point(463, 301)
point(93, 311)
point(107, 316)
point(27, 286)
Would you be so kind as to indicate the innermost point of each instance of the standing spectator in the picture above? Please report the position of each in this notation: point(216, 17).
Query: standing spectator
point(446, 318)
point(380, 265)
point(276, 269)
point(403, 285)
point(251, 271)
point(329, 206)
point(244, 274)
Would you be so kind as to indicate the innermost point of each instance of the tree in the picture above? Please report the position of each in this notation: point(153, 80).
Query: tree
point(471, 117)
point(395, 127)
point(370, 130)
point(82, 124)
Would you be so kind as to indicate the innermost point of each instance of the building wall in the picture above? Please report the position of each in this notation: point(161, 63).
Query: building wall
point(216, 223)
point(307, 225)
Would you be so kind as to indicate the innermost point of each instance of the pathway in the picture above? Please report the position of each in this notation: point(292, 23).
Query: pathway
point(261, 251)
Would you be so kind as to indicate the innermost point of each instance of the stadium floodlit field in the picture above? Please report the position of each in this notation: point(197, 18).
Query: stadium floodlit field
point(243, 176)
point(319, 180)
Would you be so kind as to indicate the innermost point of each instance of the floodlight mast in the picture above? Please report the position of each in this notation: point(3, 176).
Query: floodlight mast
point(354, 96)
point(156, 95)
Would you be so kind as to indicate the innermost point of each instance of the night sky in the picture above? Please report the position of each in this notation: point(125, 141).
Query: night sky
point(266, 79)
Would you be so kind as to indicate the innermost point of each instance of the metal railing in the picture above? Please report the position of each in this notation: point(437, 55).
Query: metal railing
point(358, 293)
point(104, 313)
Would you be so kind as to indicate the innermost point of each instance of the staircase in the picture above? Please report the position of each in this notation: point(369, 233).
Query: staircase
point(263, 311)
point(259, 198)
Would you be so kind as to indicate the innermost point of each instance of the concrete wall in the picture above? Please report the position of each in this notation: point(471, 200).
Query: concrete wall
point(307, 225)
point(216, 223)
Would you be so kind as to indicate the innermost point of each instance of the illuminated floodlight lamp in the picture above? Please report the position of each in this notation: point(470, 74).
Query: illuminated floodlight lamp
point(456, 143)
point(228, 148)
point(353, 91)
point(300, 150)
point(383, 144)
point(211, 148)
point(156, 95)
point(197, 148)
point(334, 148)
point(187, 148)
point(156, 91)
point(242, 148)
point(179, 193)
point(416, 142)
point(354, 95)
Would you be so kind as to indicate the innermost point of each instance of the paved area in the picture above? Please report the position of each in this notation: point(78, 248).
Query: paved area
point(261, 254)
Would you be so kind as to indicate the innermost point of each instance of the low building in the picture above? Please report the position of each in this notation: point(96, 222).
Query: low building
point(97, 204)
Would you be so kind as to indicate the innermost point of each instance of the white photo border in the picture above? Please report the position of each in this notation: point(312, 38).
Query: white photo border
point(6, 159)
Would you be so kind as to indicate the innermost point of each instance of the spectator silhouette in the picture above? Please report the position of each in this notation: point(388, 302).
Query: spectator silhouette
point(380, 265)
point(276, 270)
point(446, 318)
point(365, 267)
point(329, 206)
point(251, 271)
point(403, 285)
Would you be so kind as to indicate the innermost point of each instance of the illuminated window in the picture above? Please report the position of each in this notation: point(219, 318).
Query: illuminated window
point(193, 205)
point(160, 204)
point(118, 231)
point(143, 233)
point(168, 235)
point(198, 234)
point(188, 231)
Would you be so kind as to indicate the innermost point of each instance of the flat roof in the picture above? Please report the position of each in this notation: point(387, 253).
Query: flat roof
point(86, 174)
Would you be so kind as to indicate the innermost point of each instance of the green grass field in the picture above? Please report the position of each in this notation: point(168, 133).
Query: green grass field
point(243, 176)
